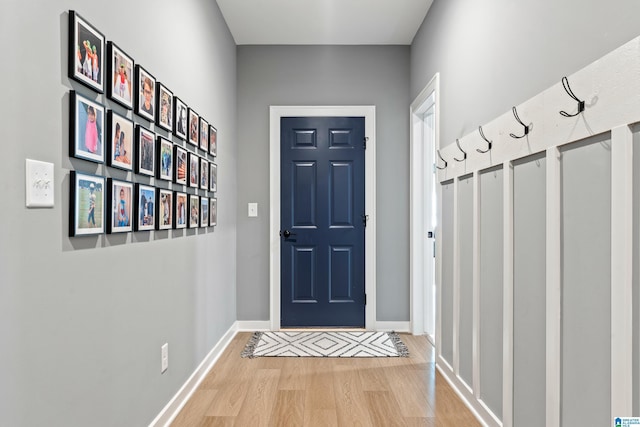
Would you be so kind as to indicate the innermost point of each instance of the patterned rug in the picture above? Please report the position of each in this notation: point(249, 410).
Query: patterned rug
point(325, 344)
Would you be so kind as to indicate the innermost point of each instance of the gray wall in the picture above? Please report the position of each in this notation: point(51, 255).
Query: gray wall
point(494, 54)
point(465, 245)
point(324, 75)
point(82, 319)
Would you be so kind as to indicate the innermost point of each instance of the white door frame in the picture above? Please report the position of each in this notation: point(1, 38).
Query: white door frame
point(417, 199)
point(275, 114)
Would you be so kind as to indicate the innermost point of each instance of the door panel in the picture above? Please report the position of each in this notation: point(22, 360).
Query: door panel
point(322, 203)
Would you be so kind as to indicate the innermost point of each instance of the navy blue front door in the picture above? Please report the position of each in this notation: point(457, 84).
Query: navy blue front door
point(321, 223)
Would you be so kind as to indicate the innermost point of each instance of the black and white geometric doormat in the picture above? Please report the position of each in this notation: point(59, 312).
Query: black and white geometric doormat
point(325, 344)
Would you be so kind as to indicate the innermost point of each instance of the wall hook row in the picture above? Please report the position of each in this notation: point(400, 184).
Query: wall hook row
point(526, 128)
point(464, 153)
point(445, 162)
point(489, 143)
point(567, 88)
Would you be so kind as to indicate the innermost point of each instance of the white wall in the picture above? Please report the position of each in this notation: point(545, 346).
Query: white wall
point(82, 319)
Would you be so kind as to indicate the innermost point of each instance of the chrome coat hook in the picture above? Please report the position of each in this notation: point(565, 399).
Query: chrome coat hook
point(464, 153)
point(490, 143)
point(567, 88)
point(445, 162)
point(526, 128)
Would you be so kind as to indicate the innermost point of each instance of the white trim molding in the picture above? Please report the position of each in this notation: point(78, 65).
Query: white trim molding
point(275, 114)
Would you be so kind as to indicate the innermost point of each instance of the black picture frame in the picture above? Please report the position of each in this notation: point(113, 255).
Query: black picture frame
point(165, 209)
point(180, 159)
point(120, 195)
point(204, 174)
point(193, 132)
point(87, 204)
point(86, 135)
point(86, 53)
point(180, 118)
point(120, 138)
point(193, 170)
point(213, 211)
point(121, 69)
point(145, 209)
point(204, 135)
point(181, 215)
point(204, 212)
point(164, 163)
point(145, 151)
point(145, 94)
point(194, 211)
point(164, 107)
point(213, 177)
point(213, 141)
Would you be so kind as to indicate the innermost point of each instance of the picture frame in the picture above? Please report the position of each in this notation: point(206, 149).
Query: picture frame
point(145, 94)
point(180, 118)
point(165, 211)
point(193, 133)
point(194, 211)
point(213, 141)
point(145, 151)
point(120, 146)
point(145, 209)
point(180, 160)
point(86, 135)
point(164, 164)
point(204, 135)
point(86, 53)
point(213, 177)
point(164, 107)
point(204, 211)
point(180, 218)
point(204, 174)
point(213, 211)
point(121, 73)
point(87, 204)
point(194, 170)
point(120, 206)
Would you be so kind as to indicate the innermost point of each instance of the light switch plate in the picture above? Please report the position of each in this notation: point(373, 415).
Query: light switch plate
point(39, 184)
point(253, 210)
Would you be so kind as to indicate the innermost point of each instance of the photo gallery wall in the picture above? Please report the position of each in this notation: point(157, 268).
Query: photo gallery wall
point(102, 204)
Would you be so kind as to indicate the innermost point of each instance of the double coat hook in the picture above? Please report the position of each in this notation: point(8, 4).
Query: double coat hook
point(464, 153)
point(526, 128)
point(445, 162)
point(490, 143)
point(567, 88)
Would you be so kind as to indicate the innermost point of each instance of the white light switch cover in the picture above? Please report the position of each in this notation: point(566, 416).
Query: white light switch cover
point(253, 210)
point(39, 184)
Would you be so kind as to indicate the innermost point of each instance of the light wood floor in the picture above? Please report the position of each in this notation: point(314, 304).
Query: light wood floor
point(286, 391)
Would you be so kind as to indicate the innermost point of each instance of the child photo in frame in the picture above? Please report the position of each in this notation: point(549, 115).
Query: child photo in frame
point(204, 135)
point(145, 204)
point(180, 119)
point(145, 151)
point(180, 160)
point(164, 98)
point(213, 141)
point(194, 170)
point(165, 209)
point(213, 177)
point(193, 132)
point(87, 204)
point(204, 212)
point(213, 212)
point(86, 53)
point(194, 206)
point(120, 85)
point(120, 206)
point(120, 141)
point(165, 159)
point(87, 128)
point(204, 174)
point(180, 217)
point(146, 92)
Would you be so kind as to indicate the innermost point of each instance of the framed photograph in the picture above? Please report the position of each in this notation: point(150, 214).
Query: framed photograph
point(213, 211)
point(145, 213)
point(120, 146)
point(164, 107)
point(213, 141)
point(86, 134)
point(213, 177)
point(193, 131)
point(204, 174)
point(146, 92)
point(145, 151)
point(164, 165)
point(204, 211)
point(204, 135)
point(180, 215)
point(180, 118)
point(86, 53)
point(180, 169)
point(120, 72)
point(120, 197)
point(165, 209)
point(87, 204)
point(194, 170)
point(194, 211)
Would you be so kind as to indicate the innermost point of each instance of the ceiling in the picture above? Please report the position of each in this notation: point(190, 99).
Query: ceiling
point(324, 22)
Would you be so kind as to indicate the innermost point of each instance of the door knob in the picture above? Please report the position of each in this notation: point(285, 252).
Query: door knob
point(286, 234)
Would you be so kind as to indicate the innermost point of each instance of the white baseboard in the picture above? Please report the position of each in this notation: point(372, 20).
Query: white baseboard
point(393, 326)
point(253, 325)
point(172, 409)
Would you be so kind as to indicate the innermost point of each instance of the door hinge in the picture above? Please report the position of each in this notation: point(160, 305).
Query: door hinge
point(365, 218)
point(364, 143)
point(365, 299)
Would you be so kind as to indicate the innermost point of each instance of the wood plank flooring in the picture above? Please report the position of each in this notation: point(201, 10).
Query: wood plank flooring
point(325, 392)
